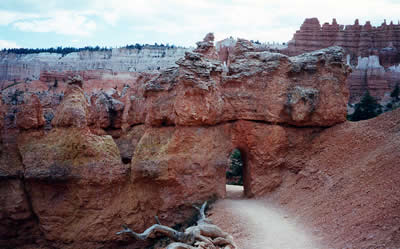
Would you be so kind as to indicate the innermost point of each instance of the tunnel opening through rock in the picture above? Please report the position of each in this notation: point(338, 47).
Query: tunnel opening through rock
point(126, 160)
point(235, 170)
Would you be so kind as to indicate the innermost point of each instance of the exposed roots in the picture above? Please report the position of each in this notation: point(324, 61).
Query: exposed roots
point(204, 235)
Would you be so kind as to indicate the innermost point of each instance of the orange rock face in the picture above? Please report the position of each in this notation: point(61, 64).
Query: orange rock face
point(358, 41)
point(157, 144)
point(189, 162)
point(31, 114)
point(306, 90)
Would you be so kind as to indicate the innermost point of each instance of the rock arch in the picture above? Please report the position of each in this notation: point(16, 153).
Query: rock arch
point(261, 104)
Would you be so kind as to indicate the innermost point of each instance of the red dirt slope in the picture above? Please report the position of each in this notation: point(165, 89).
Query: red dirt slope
point(349, 189)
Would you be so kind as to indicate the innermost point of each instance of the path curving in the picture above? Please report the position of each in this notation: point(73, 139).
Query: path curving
point(256, 225)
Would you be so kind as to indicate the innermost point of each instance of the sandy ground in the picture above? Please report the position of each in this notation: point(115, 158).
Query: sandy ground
point(255, 224)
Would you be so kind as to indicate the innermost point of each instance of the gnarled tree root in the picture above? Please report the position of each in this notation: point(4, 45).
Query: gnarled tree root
point(204, 235)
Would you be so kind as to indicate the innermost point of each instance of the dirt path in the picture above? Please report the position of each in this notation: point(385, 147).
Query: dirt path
point(256, 225)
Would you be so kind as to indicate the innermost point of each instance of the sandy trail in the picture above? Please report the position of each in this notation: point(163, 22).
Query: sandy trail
point(256, 225)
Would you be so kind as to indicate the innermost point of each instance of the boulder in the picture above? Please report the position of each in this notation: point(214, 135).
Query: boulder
point(74, 110)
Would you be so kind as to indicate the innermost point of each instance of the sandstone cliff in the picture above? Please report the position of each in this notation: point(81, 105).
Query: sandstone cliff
point(357, 40)
point(373, 52)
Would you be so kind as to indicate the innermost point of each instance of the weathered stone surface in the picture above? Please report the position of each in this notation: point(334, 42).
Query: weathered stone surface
point(358, 40)
point(264, 148)
point(74, 111)
point(30, 115)
point(66, 168)
point(17, 224)
point(81, 192)
point(122, 149)
point(304, 90)
point(268, 152)
point(10, 161)
point(134, 99)
point(105, 111)
point(206, 47)
point(188, 163)
point(51, 66)
point(127, 141)
point(72, 153)
point(371, 51)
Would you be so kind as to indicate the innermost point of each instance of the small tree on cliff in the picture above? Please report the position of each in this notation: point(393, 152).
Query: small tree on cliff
point(395, 93)
point(366, 109)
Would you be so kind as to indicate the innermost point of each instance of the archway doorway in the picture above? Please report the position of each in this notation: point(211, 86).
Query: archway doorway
point(235, 174)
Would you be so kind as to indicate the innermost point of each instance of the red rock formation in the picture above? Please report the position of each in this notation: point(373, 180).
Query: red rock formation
point(30, 115)
point(378, 82)
point(358, 41)
point(206, 47)
point(81, 191)
point(127, 141)
point(18, 226)
point(259, 86)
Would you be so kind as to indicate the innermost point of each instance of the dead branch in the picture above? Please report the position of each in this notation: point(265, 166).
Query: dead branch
point(157, 220)
point(203, 235)
point(11, 85)
point(179, 245)
point(156, 228)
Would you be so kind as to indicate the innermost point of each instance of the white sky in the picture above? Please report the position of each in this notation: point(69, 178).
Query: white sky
point(38, 23)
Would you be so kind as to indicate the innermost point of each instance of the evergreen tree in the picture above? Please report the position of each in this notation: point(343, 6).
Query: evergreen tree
point(395, 93)
point(366, 109)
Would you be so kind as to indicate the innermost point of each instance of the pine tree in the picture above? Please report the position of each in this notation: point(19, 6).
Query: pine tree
point(366, 109)
point(395, 93)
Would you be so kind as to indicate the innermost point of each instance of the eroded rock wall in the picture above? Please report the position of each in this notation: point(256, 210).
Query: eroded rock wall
point(85, 158)
point(373, 53)
point(35, 66)
point(306, 90)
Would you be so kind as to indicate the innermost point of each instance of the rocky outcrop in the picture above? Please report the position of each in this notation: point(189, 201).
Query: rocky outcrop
point(127, 141)
point(305, 90)
point(371, 51)
point(71, 164)
point(153, 145)
point(30, 115)
point(357, 40)
point(370, 75)
point(80, 190)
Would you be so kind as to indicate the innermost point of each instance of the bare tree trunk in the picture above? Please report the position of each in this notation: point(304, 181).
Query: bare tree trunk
point(203, 235)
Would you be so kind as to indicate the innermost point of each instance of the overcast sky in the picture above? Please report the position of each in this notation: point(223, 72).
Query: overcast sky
point(111, 23)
